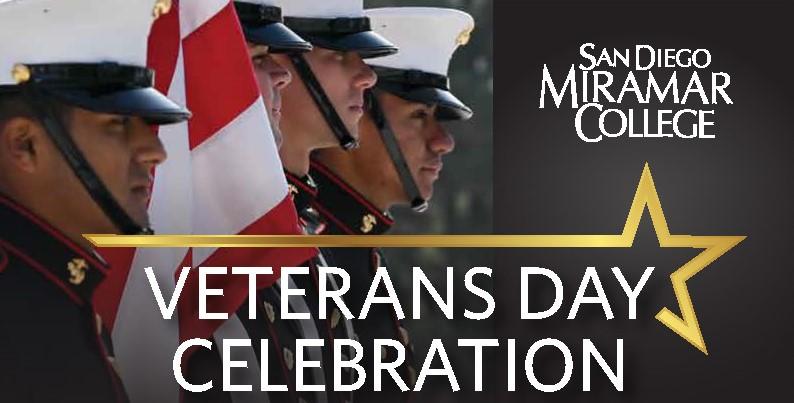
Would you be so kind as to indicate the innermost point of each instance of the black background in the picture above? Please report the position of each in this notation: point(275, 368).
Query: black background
point(548, 181)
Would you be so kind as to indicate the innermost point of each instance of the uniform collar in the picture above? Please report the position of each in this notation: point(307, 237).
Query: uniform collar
point(302, 190)
point(45, 249)
point(346, 210)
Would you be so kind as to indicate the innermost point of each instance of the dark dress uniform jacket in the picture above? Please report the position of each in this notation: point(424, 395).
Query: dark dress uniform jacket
point(304, 191)
point(344, 211)
point(282, 334)
point(52, 346)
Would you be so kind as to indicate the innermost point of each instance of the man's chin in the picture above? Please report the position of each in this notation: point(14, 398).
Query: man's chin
point(429, 195)
point(425, 192)
point(426, 184)
point(353, 130)
point(141, 218)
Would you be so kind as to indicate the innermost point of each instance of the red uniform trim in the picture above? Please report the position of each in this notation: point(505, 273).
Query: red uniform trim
point(3, 260)
point(327, 214)
point(354, 193)
point(55, 234)
point(43, 270)
point(294, 180)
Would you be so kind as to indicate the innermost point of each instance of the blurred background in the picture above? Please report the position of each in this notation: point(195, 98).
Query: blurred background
point(462, 204)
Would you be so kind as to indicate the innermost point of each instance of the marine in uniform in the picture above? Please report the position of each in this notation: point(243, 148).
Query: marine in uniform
point(263, 26)
point(400, 157)
point(76, 150)
point(266, 35)
point(321, 109)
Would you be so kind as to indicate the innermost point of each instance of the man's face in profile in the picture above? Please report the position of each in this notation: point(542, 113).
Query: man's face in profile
point(272, 77)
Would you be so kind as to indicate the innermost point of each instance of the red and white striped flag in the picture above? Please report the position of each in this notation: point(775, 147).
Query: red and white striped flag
point(222, 176)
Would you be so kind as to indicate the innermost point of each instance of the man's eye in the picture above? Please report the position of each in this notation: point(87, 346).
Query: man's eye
point(420, 114)
point(258, 61)
point(120, 123)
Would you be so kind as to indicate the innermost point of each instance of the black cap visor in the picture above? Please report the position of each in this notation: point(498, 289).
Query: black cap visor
point(277, 36)
point(146, 103)
point(367, 44)
point(449, 106)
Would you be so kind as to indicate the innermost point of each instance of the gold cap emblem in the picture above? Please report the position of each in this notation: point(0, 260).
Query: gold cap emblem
point(464, 36)
point(161, 7)
point(77, 268)
point(368, 223)
point(20, 73)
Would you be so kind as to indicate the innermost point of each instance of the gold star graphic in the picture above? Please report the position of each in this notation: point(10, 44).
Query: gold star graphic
point(686, 325)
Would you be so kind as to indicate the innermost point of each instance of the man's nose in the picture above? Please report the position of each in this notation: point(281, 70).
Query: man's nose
point(148, 149)
point(280, 76)
point(441, 141)
point(365, 77)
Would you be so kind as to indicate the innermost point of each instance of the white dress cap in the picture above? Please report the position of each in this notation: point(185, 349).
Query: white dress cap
point(263, 23)
point(427, 37)
point(322, 8)
point(74, 31)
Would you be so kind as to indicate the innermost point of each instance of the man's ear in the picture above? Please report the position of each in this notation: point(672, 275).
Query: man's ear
point(21, 140)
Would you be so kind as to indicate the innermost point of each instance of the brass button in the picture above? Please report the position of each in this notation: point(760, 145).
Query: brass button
point(368, 223)
point(77, 268)
point(271, 313)
point(289, 358)
point(335, 316)
point(98, 321)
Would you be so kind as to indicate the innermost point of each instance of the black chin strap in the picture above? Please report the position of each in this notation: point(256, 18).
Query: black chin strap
point(76, 160)
point(418, 203)
point(346, 140)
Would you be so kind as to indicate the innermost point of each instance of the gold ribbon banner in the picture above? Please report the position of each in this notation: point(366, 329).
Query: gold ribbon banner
point(360, 241)
point(685, 325)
